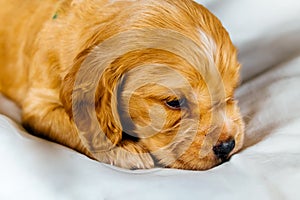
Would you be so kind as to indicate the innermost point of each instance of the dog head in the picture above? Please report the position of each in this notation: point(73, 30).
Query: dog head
point(158, 77)
point(177, 116)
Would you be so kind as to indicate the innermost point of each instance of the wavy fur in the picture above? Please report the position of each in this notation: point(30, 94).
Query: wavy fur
point(54, 63)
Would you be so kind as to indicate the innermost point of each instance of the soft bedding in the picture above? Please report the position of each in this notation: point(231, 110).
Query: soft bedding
point(268, 36)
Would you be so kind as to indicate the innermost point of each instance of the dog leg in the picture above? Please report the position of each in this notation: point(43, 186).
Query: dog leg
point(44, 115)
point(127, 155)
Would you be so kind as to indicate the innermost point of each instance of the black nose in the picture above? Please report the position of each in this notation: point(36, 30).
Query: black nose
point(222, 150)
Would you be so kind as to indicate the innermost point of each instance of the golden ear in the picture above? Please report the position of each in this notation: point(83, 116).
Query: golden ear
point(89, 97)
point(106, 105)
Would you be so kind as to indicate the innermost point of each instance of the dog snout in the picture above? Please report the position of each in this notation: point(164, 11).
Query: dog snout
point(223, 149)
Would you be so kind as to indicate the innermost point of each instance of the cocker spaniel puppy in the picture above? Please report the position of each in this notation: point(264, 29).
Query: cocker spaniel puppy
point(132, 83)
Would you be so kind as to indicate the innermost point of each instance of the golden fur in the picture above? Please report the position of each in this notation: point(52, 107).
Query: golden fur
point(49, 57)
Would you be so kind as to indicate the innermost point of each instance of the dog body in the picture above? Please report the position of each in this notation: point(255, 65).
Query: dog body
point(47, 45)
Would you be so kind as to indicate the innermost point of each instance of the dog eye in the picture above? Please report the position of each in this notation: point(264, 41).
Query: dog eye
point(176, 104)
point(230, 100)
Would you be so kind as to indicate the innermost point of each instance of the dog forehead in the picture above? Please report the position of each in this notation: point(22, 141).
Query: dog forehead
point(164, 79)
point(156, 74)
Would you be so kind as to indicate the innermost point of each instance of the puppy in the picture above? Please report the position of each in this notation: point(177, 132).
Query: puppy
point(136, 84)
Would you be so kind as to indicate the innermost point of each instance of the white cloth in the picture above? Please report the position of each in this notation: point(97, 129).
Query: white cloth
point(267, 34)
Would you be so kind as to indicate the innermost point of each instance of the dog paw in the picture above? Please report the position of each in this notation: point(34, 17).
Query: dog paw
point(128, 156)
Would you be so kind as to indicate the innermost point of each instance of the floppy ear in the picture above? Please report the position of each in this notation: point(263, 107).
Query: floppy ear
point(90, 99)
point(106, 104)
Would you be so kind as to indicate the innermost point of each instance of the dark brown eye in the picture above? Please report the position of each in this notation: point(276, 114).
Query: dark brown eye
point(176, 104)
point(230, 100)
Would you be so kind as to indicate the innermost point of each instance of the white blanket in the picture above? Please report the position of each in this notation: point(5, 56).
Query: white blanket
point(267, 32)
